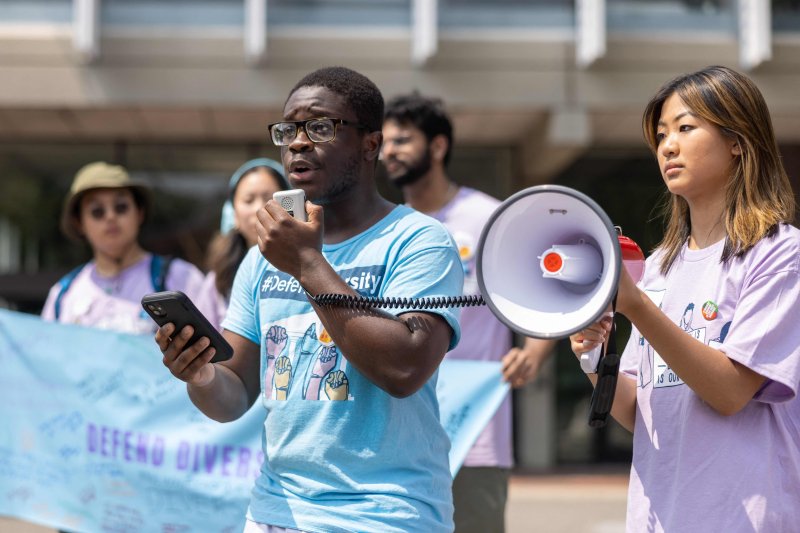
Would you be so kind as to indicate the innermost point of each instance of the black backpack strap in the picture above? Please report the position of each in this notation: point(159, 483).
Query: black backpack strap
point(159, 268)
point(63, 287)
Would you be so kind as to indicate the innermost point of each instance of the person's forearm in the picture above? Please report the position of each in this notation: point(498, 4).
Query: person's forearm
point(224, 398)
point(397, 354)
point(538, 349)
point(722, 383)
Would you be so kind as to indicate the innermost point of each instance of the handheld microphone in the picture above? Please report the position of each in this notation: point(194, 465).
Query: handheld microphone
point(294, 202)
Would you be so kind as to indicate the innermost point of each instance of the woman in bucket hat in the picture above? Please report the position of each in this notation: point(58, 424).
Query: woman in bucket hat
point(249, 188)
point(106, 209)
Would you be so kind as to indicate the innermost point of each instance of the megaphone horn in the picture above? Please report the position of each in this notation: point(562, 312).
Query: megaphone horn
point(548, 261)
point(548, 265)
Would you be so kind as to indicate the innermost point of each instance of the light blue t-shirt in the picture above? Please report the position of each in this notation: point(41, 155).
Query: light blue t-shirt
point(369, 461)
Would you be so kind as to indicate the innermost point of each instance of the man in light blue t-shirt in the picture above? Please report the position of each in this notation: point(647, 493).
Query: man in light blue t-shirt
point(352, 438)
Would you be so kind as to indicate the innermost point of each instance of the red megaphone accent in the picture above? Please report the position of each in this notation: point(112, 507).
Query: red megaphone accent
point(632, 257)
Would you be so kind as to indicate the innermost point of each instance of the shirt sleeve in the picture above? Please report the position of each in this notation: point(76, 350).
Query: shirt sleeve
point(242, 317)
point(428, 268)
point(764, 334)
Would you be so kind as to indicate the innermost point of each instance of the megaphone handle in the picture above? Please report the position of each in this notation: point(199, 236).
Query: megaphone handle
point(591, 359)
point(606, 386)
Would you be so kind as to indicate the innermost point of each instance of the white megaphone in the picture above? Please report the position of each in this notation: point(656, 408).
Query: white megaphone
point(548, 265)
point(548, 261)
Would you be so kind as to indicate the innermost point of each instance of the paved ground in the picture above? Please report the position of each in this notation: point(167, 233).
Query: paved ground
point(577, 503)
point(574, 503)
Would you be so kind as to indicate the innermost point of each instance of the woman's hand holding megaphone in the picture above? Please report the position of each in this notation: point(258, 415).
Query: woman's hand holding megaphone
point(592, 336)
point(587, 339)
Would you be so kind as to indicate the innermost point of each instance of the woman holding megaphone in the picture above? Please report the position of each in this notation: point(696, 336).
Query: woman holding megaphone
point(710, 375)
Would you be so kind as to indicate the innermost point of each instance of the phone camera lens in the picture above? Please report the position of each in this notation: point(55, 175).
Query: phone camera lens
point(156, 309)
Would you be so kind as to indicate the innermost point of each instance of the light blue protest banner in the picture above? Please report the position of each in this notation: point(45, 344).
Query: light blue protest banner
point(96, 435)
point(469, 393)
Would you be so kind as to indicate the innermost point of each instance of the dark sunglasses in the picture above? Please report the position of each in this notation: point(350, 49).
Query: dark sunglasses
point(98, 212)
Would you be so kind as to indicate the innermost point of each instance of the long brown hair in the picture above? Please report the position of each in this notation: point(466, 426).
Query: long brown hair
point(758, 195)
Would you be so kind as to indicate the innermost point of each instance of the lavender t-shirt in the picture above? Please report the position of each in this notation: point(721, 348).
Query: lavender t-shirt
point(483, 337)
point(115, 302)
point(215, 303)
point(694, 469)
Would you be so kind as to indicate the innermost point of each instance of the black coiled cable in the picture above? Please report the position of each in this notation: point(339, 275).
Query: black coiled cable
point(364, 302)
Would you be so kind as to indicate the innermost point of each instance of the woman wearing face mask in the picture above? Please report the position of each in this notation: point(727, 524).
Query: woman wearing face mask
point(106, 209)
point(249, 188)
point(709, 379)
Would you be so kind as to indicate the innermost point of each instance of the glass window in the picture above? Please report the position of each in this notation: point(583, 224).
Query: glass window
point(671, 16)
point(36, 11)
point(507, 13)
point(173, 13)
point(340, 12)
point(786, 16)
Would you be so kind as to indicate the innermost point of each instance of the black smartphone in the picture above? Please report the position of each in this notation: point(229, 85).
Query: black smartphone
point(176, 307)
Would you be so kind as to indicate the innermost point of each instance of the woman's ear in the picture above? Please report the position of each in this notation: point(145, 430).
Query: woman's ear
point(736, 149)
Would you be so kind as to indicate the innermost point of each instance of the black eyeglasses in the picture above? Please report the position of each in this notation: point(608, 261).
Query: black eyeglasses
point(318, 130)
point(98, 212)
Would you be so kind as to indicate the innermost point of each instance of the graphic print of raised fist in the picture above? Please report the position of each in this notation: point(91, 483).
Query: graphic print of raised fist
point(337, 386)
point(283, 377)
point(322, 365)
point(276, 341)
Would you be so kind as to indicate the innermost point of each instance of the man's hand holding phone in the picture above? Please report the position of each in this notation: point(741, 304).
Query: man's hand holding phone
point(191, 364)
point(287, 242)
point(187, 339)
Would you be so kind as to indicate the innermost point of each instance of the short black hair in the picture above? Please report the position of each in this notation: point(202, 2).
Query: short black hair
point(360, 93)
point(427, 114)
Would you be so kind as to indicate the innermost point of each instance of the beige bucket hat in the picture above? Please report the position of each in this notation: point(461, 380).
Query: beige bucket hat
point(99, 175)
